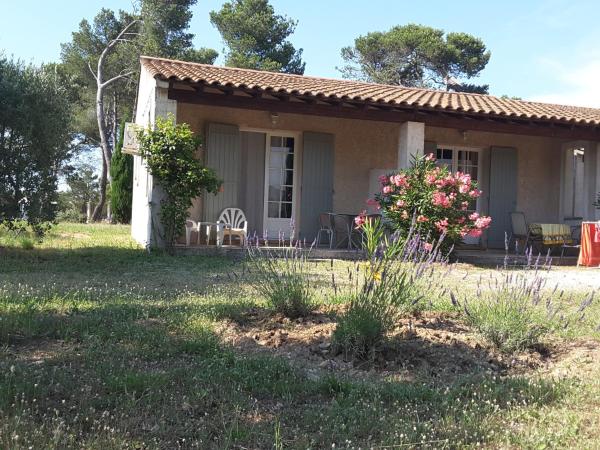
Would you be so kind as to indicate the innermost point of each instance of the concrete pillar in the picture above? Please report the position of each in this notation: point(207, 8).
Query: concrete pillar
point(411, 142)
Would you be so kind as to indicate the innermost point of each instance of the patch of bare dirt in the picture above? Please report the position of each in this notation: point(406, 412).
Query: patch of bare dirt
point(431, 347)
point(39, 351)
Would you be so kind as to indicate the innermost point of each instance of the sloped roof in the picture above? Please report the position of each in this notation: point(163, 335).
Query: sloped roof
point(357, 91)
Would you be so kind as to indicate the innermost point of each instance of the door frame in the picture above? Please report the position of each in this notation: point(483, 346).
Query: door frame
point(297, 136)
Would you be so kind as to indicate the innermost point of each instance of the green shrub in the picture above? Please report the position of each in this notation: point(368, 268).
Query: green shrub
point(433, 201)
point(26, 243)
point(169, 150)
point(510, 316)
point(389, 287)
point(121, 185)
point(282, 279)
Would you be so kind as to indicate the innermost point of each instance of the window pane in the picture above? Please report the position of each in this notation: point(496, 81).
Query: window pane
point(444, 157)
point(274, 184)
point(273, 210)
point(289, 143)
point(289, 161)
point(275, 177)
point(286, 194)
point(276, 159)
point(286, 210)
point(289, 177)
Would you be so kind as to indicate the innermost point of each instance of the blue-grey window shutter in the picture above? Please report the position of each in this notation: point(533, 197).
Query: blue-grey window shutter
point(252, 186)
point(223, 154)
point(503, 193)
point(317, 182)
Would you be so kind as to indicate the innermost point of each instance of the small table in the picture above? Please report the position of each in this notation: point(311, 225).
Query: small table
point(343, 230)
point(197, 226)
point(589, 255)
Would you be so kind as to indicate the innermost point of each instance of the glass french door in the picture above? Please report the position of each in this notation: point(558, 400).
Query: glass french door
point(465, 160)
point(280, 181)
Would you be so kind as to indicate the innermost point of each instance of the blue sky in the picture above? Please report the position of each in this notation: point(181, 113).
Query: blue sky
point(541, 50)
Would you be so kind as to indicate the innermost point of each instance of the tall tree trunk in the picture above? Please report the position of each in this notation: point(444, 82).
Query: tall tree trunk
point(103, 128)
point(97, 214)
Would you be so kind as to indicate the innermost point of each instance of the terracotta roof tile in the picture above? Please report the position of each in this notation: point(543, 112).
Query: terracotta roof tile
point(367, 92)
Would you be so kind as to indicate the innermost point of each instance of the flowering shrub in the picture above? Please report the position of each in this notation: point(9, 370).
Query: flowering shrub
point(433, 201)
point(391, 284)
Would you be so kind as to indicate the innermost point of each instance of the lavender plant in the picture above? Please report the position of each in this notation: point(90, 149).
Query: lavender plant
point(516, 312)
point(281, 277)
point(387, 287)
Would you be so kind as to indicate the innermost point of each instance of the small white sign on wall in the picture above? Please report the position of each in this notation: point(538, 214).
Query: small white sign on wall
point(130, 139)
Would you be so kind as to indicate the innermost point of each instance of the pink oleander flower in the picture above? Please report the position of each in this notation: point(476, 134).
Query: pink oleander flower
point(463, 178)
point(464, 188)
point(430, 178)
point(430, 157)
point(475, 193)
point(476, 232)
point(428, 246)
point(483, 222)
point(383, 179)
point(441, 199)
point(360, 220)
point(474, 216)
point(422, 218)
point(400, 203)
point(442, 225)
point(399, 180)
point(387, 189)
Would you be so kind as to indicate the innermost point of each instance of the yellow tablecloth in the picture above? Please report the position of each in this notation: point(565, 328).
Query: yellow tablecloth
point(552, 233)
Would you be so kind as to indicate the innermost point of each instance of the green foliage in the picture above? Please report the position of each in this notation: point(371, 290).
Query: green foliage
point(511, 315)
point(121, 184)
point(170, 153)
point(82, 53)
point(417, 56)
point(83, 189)
point(433, 202)
point(34, 142)
point(256, 37)
point(388, 287)
point(282, 279)
point(165, 31)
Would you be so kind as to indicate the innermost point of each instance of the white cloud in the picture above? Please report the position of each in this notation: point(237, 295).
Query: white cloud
point(576, 82)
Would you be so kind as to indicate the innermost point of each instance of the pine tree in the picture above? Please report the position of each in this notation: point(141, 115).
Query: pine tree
point(121, 185)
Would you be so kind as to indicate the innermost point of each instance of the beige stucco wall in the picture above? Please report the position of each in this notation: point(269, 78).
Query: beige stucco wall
point(359, 145)
point(364, 145)
point(539, 166)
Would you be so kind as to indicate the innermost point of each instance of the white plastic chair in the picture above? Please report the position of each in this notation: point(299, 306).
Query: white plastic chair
point(190, 226)
point(235, 224)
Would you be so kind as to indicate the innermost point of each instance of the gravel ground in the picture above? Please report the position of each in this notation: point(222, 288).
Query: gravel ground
point(572, 278)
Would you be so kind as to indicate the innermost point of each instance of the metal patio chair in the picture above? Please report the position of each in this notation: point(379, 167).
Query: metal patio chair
point(519, 229)
point(325, 226)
